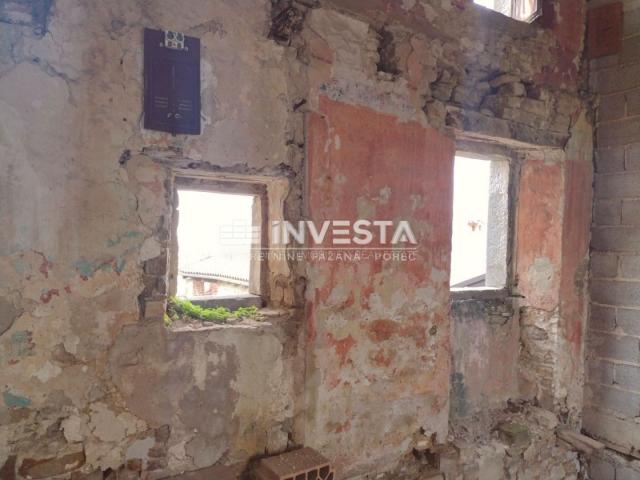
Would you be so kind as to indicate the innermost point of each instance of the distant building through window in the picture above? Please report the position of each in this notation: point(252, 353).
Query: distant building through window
point(480, 223)
point(215, 238)
point(523, 10)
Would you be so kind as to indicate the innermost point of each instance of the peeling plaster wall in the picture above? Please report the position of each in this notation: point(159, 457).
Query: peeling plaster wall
point(90, 376)
point(539, 234)
point(484, 79)
point(91, 379)
point(552, 257)
point(378, 332)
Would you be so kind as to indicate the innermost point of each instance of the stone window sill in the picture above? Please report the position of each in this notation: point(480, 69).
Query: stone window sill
point(266, 318)
point(232, 302)
point(480, 293)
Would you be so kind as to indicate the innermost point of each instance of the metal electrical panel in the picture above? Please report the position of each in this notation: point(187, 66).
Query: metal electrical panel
point(171, 82)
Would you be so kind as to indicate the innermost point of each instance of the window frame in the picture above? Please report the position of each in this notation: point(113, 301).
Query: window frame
point(513, 6)
point(258, 272)
point(492, 152)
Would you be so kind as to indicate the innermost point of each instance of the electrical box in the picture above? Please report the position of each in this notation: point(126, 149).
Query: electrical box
point(171, 82)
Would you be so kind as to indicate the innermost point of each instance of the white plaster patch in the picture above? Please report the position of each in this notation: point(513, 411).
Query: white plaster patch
point(330, 139)
point(339, 294)
point(417, 201)
point(426, 296)
point(207, 76)
point(337, 143)
point(277, 440)
point(408, 4)
point(73, 428)
point(384, 195)
point(47, 372)
point(365, 208)
point(200, 366)
point(176, 455)
point(429, 12)
point(140, 449)
point(438, 276)
point(150, 249)
point(445, 4)
point(105, 425)
point(398, 300)
point(375, 302)
point(541, 273)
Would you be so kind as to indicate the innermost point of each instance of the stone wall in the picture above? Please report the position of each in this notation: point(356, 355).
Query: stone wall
point(613, 393)
point(485, 351)
point(518, 443)
point(553, 238)
point(91, 378)
point(88, 368)
point(491, 102)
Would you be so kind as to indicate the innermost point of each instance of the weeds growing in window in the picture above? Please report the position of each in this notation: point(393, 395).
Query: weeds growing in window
point(180, 309)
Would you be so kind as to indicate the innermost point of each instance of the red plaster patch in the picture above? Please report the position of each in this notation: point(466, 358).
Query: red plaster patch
point(382, 358)
point(604, 30)
point(311, 322)
point(539, 231)
point(44, 266)
point(48, 295)
point(154, 186)
point(381, 330)
point(576, 247)
point(367, 164)
point(412, 327)
point(341, 346)
point(566, 20)
point(339, 427)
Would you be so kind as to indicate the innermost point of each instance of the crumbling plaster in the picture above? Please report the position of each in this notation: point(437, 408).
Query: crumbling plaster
point(378, 331)
point(85, 206)
point(89, 373)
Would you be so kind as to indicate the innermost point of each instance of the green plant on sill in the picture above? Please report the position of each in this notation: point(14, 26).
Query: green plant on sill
point(178, 308)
